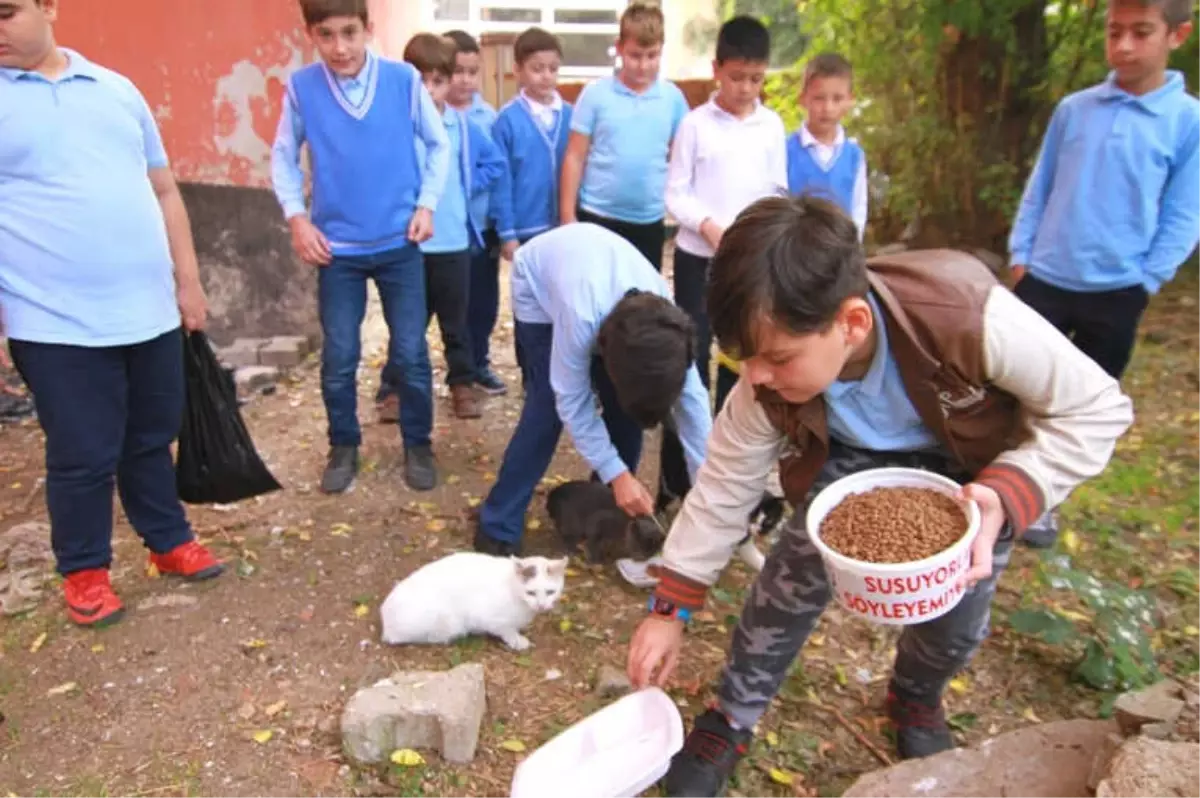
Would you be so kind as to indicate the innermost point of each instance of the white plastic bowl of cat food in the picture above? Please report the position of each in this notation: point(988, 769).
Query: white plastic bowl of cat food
point(896, 594)
point(619, 751)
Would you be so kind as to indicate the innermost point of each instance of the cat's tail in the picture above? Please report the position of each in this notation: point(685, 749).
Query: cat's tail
point(750, 554)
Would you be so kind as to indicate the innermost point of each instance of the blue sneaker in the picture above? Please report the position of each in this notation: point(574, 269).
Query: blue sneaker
point(490, 384)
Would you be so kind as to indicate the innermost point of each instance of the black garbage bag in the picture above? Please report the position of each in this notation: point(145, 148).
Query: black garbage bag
point(217, 461)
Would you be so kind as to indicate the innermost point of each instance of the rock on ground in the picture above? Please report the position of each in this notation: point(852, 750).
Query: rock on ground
point(611, 682)
point(1146, 767)
point(440, 710)
point(1158, 703)
point(1053, 759)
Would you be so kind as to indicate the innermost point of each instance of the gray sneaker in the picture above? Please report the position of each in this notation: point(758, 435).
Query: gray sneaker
point(1042, 533)
point(420, 468)
point(341, 469)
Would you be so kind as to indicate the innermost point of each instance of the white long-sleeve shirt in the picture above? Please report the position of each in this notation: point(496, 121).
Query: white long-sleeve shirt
point(719, 165)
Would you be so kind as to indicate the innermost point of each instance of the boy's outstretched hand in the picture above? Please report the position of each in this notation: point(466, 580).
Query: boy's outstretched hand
point(420, 229)
point(991, 521)
point(654, 651)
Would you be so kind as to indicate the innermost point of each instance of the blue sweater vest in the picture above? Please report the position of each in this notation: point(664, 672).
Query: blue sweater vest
point(837, 184)
point(534, 156)
point(366, 175)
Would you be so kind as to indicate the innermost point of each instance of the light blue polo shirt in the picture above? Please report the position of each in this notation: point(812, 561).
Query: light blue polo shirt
point(875, 412)
point(625, 177)
point(84, 258)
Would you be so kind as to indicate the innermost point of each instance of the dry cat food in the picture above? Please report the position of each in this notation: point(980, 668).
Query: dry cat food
point(890, 525)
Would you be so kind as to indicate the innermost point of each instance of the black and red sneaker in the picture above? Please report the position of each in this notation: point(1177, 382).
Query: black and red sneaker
point(920, 727)
point(708, 757)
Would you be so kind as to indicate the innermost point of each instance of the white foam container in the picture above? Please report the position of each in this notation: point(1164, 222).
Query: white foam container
point(618, 751)
point(897, 594)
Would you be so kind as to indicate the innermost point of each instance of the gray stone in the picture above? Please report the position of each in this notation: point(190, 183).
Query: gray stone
point(1158, 731)
point(1145, 767)
point(1158, 703)
point(1053, 759)
point(439, 710)
point(611, 682)
point(252, 378)
point(175, 600)
point(283, 352)
point(242, 352)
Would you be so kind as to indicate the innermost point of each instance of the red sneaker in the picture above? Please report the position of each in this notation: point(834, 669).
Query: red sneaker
point(190, 560)
point(90, 598)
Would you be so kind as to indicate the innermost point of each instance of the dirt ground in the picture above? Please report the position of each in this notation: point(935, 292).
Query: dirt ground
point(178, 699)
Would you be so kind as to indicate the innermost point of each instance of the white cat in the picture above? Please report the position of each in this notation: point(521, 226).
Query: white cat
point(469, 593)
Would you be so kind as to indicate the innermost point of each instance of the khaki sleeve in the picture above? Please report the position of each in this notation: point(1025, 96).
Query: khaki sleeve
point(743, 448)
point(1073, 412)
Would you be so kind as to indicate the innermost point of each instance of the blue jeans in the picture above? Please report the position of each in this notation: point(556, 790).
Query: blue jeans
point(399, 276)
point(483, 302)
point(110, 415)
point(529, 452)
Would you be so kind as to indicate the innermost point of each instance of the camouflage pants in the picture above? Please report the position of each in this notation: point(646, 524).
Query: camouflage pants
point(792, 590)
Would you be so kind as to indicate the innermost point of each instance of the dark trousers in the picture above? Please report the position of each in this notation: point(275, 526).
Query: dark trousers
point(399, 276)
point(531, 448)
point(1103, 325)
point(110, 414)
point(691, 294)
point(649, 238)
point(447, 288)
point(483, 302)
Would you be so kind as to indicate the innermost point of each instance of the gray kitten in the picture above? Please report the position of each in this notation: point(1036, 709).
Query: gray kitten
point(587, 513)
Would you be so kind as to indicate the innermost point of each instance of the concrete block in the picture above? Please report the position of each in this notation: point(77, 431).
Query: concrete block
point(252, 378)
point(242, 352)
point(284, 352)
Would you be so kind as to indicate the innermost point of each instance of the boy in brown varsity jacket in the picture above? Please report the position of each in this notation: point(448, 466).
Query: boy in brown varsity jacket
point(919, 359)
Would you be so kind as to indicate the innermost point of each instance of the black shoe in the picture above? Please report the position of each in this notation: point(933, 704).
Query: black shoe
point(420, 469)
point(1042, 533)
point(341, 469)
point(485, 544)
point(490, 384)
point(920, 727)
point(709, 755)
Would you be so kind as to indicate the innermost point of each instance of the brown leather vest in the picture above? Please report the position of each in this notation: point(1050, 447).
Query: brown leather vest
point(933, 305)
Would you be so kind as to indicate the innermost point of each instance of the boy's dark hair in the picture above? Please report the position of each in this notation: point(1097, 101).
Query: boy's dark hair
point(792, 260)
point(463, 41)
point(828, 65)
point(1175, 12)
point(647, 345)
point(535, 40)
point(317, 11)
point(743, 38)
point(429, 52)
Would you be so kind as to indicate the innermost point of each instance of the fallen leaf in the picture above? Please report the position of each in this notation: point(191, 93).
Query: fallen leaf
point(453, 479)
point(361, 610)
point(572, 572)
point(305, 535)
point(772, 739)
point(1070, 541)
point(436, 525)
point(1072, 615)
point(152, 571)
point(1191, 630)
point(38, 642)
point(516, 746)
point(533, 524)
point(97, 648)
point(839, 675)
point(473, 501)
point(275, 709)
point(62, 689)
point(426, 507)
point(780, 776)
point(255, 643)
point(263, 737)
point(406, 758)
point(564, 625)
point(1030, 715)
point(960, 685)
point(816, 641)
point(489, 476)
point(340, 530)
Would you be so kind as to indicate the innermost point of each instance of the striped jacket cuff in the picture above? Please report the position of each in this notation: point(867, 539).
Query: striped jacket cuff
point(1022, 498)
point(679, 590)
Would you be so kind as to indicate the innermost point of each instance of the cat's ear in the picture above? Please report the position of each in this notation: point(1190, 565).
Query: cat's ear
point(526, 571)
point(557, 567)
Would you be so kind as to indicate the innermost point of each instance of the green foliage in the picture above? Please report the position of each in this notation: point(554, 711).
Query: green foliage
point(952, 99)
point(1112, 641)
point(782, 17)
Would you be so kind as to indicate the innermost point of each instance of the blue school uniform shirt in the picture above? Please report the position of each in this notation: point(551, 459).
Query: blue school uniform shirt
point(534, 154)
point(84, 255)
point(625, 176)
point(483, 116)
point(362, 134)
point(572, 277)
point(1114, 199)
point(475, 166)
point(875, 412)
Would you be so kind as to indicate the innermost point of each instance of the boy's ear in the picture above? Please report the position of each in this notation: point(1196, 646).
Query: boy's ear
point(1177, 37)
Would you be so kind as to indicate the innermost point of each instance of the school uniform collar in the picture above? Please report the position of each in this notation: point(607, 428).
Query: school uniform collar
point(1154, 102)
point(367, 77)
point(871, 383)
point(807, 139)
point(555, 103)
point(716, 110)
point(78, 68)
